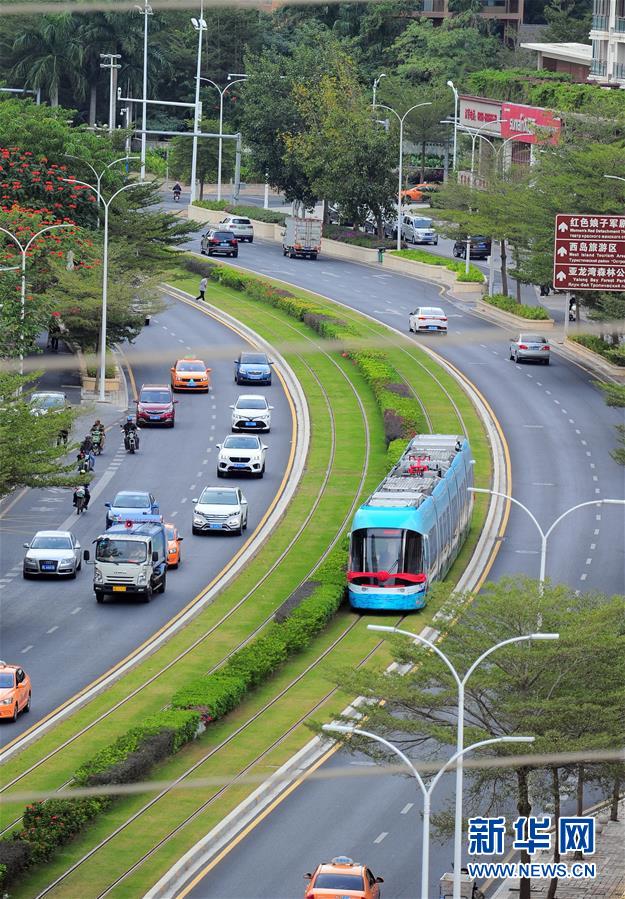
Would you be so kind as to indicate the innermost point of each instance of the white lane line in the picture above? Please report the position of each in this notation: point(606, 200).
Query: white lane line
point(593, 545)
point(5, 580)
point(588, 561)
point(533, 426)
point(527, 552)
point(184, 499)
point(596, 532)
point(175, 512)
point(180, 340)
point(592, 464)
point(598, 517)
point(583, 576)
point(539, 383)
point(76, 610)
point(212, 427)
point(577, 431)
point(483, 345)
point(204, 461)
point(584, 442)
point(173, 333)
point(329, 274)
point(597, 490)
point(381, 837)
point(588, 453)
point(548, 392)
point(200, 474)
point(53, 629)
point(542, 484)
point(213, 416)
point(406, 808)
point(557, 402)
point(595, 478)
point(571, 421)
point(192, 486)
point(27, 648)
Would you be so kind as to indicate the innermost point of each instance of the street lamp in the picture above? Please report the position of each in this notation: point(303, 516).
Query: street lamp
point(401, 119)
point(145, 11)
point(200, 26)
point(426, 791)
point(222, 91)
point(375, 85)
point(105, 269)
point(101, 174)
point(112, 66)
point(544, 535)
point(455, 151)
point(23, 249)
point(460, 683)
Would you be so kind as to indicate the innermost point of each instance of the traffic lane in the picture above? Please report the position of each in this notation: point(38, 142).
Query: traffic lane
point(56, 630)
point(376, 820)
point(541, 410)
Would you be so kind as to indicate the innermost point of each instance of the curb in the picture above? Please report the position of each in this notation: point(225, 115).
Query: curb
point(207, 595)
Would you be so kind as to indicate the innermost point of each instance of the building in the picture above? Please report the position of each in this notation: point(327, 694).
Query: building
point(509, 12)
point(572, 59)
point(607, 37)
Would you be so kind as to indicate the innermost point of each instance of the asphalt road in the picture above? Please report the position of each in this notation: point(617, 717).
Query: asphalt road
point(57, 631)
point(559, 432)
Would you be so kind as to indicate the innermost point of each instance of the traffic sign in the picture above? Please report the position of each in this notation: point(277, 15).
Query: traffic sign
point(589, 252)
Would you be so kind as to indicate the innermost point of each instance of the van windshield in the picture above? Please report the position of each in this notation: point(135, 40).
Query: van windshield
point(422, 223)
point(121, 550)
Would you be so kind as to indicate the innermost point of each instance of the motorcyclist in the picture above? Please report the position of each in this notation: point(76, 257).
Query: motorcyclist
point(128, 427)
point(83, 491)
point(97, 434)
point(83, 463)
point(177, 190)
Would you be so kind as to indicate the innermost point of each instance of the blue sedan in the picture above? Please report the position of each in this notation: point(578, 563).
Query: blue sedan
point(252, 368)
point(132, 505)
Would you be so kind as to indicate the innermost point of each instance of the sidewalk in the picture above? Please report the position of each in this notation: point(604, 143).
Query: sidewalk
point(609, 858)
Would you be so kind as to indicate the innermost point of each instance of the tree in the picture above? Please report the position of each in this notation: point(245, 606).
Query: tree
point(568, 693)
point(29, 454)
point(180, 155)
point(345, 155)
point(567, 20)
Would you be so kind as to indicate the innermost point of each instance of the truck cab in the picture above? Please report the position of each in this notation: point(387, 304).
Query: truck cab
point(130, 559)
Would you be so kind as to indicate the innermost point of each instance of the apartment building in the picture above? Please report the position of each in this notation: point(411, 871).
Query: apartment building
point(509, 12)
point(607, 37)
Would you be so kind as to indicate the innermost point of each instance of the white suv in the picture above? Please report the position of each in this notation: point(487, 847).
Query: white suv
point(241, 454)
point(242, 228)
point(251, 412)
point(220, 509)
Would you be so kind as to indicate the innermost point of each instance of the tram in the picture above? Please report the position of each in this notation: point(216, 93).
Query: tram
point(410, 530)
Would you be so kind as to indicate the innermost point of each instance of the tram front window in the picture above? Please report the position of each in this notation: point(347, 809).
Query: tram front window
point(386, 549)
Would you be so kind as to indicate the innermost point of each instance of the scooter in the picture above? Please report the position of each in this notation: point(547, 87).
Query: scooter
point(572, 313)
point(81, 501)
point(130, 442)
point(176, 196)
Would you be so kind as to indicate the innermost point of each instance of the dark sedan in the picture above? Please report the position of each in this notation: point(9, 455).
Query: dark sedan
point(216, 242)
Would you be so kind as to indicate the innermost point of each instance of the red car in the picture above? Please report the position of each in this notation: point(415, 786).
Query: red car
point(155, 405)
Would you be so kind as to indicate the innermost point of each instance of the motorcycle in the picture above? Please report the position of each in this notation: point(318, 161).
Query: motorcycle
point(83, 464)
point(97, 441)
point(81, 500)
point(573, 313)
point(176, 196)
point(130, 442)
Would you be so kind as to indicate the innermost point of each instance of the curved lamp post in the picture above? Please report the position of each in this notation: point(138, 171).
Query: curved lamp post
point(426, 791)
point(221, 91)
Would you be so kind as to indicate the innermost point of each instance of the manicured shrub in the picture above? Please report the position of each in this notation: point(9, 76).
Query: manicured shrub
point(252, 212)
point(15, 858)
point(509, 304)
point(394, 427)
point(49, 825)
point(611, 352)
point(137, 764)
point(474, 274)
point(258, 660)
point(395, 451)
point(212, 695)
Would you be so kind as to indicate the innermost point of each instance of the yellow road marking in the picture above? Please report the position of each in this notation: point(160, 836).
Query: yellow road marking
point(217, 577)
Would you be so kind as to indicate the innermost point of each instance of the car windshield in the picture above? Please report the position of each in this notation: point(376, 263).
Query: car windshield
point(423, 223)
point(248, 443)
point(6, 681)
point(47, 401)
point(339, 882)
point(223, 235)
point(253, 359)
point(241, 221)
point(51, 543)
point(431, 310)
point(532, 338)
point(190, 366)
point(213, 496)
point(155, 396)
point(121, 550)
point(251, 402)
point(132, 501)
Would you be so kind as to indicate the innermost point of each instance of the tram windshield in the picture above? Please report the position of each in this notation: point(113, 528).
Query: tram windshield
point(394, 550)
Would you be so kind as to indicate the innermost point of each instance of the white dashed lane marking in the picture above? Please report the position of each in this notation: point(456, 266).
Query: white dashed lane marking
point(583, 576)
point(76, 610)
point(381, 837)
point(406, 808)
point(27, 648)
point(53, 629)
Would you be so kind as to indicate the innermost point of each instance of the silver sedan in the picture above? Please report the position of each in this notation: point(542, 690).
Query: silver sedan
point(530, 348)
point(52, 552)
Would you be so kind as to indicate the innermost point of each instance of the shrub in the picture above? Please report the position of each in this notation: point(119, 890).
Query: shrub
point(393, 425)
point(15, 857)
point(473, 275)
point(49, 825)
point(258, 660)
point(509, 304)
point(137, 764)
point(357, 238)
point(252, 212)
point(614, 353)
point(394, 451)
point(212, 695)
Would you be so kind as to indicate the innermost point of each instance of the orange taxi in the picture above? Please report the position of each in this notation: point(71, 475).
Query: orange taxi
point(342, 878)
point(419, 192)
point(15, 690)
point(173, 546)
point(190, 374)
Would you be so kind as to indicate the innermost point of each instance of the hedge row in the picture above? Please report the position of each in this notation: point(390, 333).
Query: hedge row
point(509, 304)
point(611, 352)
point(252, 212)
point(401, 413)
point(214, 695)
point(47, 826)
point(473, 275)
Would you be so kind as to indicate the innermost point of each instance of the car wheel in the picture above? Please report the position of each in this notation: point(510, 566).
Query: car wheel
point(203, 252)
point(25, 576)
point(245, 524)
point(147, 596)
point(221, 474)
point(251, 239)
point(545, 361)
point(99, 598)
point(15, 714)
point(292, 255)
point(238, 532)
point(283, 251)
point(313, 255)
point(409, 328)
point(516, 358)
point(27, 706)
point(511, 355)
point(72, 576)
point(209, 253)
point(161, 588)
point(261, 472)
point(194, 531)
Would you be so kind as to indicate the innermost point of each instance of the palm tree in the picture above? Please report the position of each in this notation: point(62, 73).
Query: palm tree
point(47, 54)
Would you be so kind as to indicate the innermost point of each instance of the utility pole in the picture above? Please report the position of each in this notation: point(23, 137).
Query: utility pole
point(200, 27)
point(112, 66)
point(145, 11)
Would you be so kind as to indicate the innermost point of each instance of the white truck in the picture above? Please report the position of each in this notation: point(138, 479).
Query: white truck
point(301, 237)
point(130, 560)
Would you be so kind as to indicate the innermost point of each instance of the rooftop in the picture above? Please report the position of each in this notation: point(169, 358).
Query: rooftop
point(572, 52)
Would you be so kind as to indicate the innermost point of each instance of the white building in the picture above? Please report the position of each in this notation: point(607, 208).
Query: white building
point(608, 43)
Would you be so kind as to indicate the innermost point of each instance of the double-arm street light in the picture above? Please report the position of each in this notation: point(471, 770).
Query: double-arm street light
point(544, 535)
point(100, 175)
point(222, 92)
point(455, 150)
point(23, 249)
point(145, 10)
point(375, 86)
point(105, 264)
point(401, 119)
point(200, 26)
point(426, 791)
point(461, 684)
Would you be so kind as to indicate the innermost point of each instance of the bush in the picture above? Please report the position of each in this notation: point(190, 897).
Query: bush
point(252, 212)
point(49, 825)
point(110, 369)
point(509, 304)
point(212, 695)
point(614, 353)
point(357, 238)
point(474, 274)
point(258, 660)
point(15, 858)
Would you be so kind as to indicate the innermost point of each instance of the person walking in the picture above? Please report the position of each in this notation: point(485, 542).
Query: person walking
point(203, 285)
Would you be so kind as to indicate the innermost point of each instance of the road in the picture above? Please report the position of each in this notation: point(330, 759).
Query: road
point(56, 630)
point(559, 433)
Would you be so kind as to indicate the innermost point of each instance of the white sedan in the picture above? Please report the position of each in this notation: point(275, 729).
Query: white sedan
point(52, 552)
point(251, 412)
point(241, 454)
point(428, 318)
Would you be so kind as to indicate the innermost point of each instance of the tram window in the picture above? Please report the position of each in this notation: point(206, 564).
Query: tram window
point(413, 560)
point(455, 510)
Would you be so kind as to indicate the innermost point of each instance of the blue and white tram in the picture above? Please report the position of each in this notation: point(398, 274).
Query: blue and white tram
point(411, 528)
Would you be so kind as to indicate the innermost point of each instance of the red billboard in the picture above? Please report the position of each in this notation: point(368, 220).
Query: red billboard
point(529, 124)
point(589, 252)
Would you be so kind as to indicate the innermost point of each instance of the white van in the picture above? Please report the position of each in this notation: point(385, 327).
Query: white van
point(417, 229)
